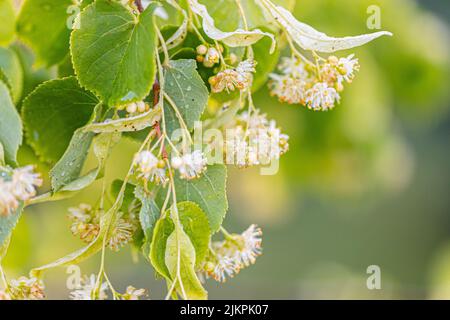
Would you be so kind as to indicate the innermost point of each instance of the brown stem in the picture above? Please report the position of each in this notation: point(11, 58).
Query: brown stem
point(156, 91)
point(139, 5)
point(157, 125)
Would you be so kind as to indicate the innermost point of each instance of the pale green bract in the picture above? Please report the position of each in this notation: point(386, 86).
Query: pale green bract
point(310, 39)
point(236, 38)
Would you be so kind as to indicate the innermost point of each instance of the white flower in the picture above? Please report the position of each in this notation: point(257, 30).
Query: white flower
point(287, 88)
point(321, 97)
point(8, 202)
point(86, 290)
point(81, 213)
point(121, 235)
point(251, 248)
point(231, 79)
point(246, 67)
point(27, 289)
point(133, 294)
point(347, 67)
point(150, 167)
point(85, 222)
point(212, 56)
point(228, 80)
point(224, 267)
point(190, 165)
point(294, 67)
point(234, 253)
point(218, 267)
point(291, 85)
point(24, 182)
point(254, 120)
point(254, 140)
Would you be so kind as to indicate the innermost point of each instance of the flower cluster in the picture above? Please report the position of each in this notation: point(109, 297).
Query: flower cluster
point(89, 289)
point(133, 294)
point(26, 289)
point(315, 86)
point(190, 165)
point(239, 78)
point(254, 140)
point(86, 289)
point(86, 225)
point(234, 253)
point(85, 222)
point(19, 185)
point(208, 56)
point(150, 168)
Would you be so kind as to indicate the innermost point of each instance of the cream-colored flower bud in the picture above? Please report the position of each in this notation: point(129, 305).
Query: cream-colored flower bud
point(200, 58)
point(202, 49)
point(141, 106)
point(132, 107)
point(333, 60)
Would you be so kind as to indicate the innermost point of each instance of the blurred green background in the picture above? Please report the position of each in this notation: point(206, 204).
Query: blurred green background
point(365, 184)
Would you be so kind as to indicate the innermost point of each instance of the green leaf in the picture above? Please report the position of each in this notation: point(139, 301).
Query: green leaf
point(195, 224)
point(69, 167)
point(66, 173)
point(180, 253)
point(128, 197)
point(10, 64)
point(10, 125)
point(163, 229)
point(44, 25)
point(4, 78)
point(113, 52)
point(148, 215)
point(7, 17)
point(65, 68)
point(53, 112)
point(32, 77)
point(208, 191)
point(187, 90)
point(8, 223)
point(2, 155)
